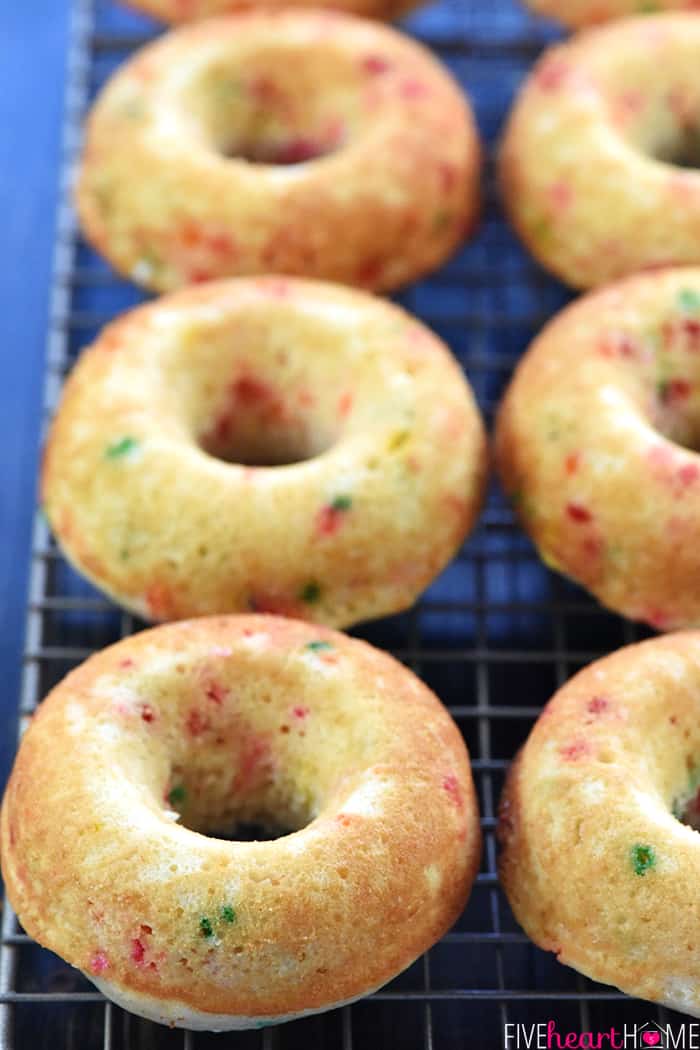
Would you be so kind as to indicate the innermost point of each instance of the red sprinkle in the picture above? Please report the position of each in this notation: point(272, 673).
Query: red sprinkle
point(572, 752)
point(375, 64)
point(578, 513)
point(572, 463)
point(551, 74)
point(137, 951)
point(328, 520)
point(99, 962)
point(597, 705)
point(413, 88)
point(345, 403)
point(300, 712)
point(451, 786)
point(147, 713)
point(215, 692)
point(197, 723)
point(689, 474)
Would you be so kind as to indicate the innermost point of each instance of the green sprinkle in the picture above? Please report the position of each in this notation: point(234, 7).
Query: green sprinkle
point(120, 448)
point(228, 914)
point(441, 220)
point(205, 927)
point(643, 859)
point(398, 439)
point(662, 389)
point(319, 647)
point(342, 503)
point(689, 300)
point(177, 795)
point(310, 592)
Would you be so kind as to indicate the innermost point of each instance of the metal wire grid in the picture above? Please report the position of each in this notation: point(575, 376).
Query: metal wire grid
point(494, 636)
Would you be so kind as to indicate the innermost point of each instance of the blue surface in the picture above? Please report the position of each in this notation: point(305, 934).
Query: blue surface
point(33, 36)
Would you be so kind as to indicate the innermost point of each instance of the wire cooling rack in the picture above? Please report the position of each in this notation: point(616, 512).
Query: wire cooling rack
point(494, 636)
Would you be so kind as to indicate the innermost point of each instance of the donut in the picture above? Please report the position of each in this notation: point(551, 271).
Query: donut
point(600, 857)
point(189, 10)
point(596, 161)
point(595, 444)
point(308, 143)
point(267, 445)
point(577, 13)
point(139, 761)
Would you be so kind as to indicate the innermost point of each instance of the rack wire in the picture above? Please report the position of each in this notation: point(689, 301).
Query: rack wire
point(494, 636)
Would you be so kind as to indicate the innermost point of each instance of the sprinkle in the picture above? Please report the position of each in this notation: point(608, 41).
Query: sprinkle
point(572, 462)
point(228, 914)
point(216, 692)
point(99, 962)
point(689, 300)
point(137, 951)
point(197, 723)
point(147, 713)
point(177, 795)
point(310, 593)
point(205, 927)
point(572, 752)
point(330, 517)
point(578, 513)
point(643, 859)
point(451, 786)
point(397, 439)
point(375, 64)
point(597, 704)
point(318, 646)
point(124, 447)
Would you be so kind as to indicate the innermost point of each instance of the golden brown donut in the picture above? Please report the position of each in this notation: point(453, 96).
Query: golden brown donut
point(600, 857)
point(155, 745)
point(598, 162)
point(596, 439)
point(298, 142)
point(264, 444)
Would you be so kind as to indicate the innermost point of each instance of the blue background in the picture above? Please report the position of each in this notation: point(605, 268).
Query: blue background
point(33, 41)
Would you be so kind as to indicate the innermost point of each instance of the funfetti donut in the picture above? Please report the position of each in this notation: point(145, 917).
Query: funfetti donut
point(598, 162)
point(140, 759)
point(595, 443)
point(268, 445)
point(298, 142)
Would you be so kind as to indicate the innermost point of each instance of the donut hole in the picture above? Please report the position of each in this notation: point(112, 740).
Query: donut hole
point(284, 105)
point(681, 149)
point(256, 441)
point(238, 792)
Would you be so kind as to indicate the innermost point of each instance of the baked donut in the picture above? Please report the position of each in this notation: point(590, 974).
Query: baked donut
point(189, 10)
point(267, 445)
point(592, 159)
point(577, 13)
point(298, 142)
point(595, 444)
point(600, 860)
point(191, 728)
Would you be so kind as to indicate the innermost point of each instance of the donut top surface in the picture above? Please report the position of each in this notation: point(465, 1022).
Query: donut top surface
point(302, 142)
point(601, 860)
point(191, 728)
point(596, 442)
point(598, 161)
point(268, 445)
point(189, 10)
point(588, 12)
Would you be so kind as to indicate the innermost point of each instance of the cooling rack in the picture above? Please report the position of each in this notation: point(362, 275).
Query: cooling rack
point(494, 636)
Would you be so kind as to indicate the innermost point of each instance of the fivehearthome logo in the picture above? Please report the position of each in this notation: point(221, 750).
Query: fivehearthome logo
point(548, 1035)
